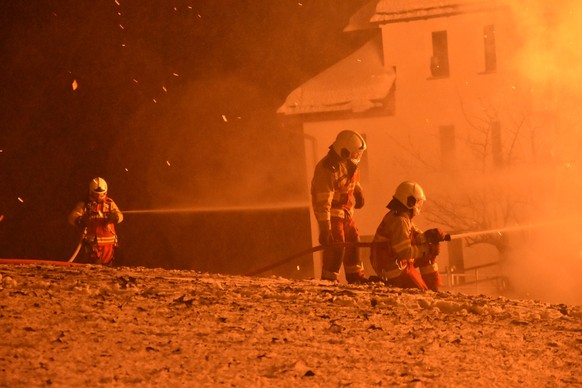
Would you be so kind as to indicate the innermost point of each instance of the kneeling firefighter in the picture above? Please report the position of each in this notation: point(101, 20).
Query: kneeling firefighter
point(335, 193)
point(97, 215)
point(403, 255)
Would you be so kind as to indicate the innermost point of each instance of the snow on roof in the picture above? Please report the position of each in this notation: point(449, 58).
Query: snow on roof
point(357, 83)
point(391, 11)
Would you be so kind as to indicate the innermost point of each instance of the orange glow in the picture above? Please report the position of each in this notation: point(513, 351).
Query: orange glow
point(552, 49)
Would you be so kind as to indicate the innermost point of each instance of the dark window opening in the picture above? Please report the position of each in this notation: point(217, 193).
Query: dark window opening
point(439, 62)
point(490, 52)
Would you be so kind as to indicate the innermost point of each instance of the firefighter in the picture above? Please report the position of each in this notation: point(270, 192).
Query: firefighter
point(402, 255)
point(97, 217)
point(335, 193)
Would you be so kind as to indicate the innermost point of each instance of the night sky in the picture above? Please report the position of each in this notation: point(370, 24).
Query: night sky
point(174, 104)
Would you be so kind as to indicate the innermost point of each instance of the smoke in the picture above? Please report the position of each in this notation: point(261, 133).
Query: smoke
point(550, 54)
point(547, 263)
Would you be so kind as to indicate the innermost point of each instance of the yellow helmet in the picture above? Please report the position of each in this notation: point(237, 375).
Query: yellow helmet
point(98, 188)
point(349, 145)
point(411, 195)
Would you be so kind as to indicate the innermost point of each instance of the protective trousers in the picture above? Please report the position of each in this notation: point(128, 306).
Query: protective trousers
point(428, 278)
point(97, 253)
point(343, 230)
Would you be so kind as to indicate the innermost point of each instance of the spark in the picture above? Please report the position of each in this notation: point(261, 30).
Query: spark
point(120, 26)
point(168, 162)
point(175, 74)
point(136, 81)
point(164, 89)
point(224, 118)
point(126, 169)
point(75, 85)
point(155, 101)
point(21, 200)
point(117, 2)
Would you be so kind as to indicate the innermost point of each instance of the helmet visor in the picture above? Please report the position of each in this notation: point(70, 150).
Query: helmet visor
point(356, 156)
point(418, 206)
point(95, 196)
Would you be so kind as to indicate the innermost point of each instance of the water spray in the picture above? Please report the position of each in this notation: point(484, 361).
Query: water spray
point(508, 229)
point(223, 209)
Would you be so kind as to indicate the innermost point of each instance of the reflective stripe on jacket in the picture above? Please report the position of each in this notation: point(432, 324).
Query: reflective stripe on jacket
point(401, 243)
point(332, 187)
point(99, 229)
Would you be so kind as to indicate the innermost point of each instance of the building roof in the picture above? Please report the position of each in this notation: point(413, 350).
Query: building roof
point(392, 11)
point(357, 83)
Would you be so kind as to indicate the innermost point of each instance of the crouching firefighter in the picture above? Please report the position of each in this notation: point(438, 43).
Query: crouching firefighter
point(402, 255)
point(335, 193)
point(97, 216)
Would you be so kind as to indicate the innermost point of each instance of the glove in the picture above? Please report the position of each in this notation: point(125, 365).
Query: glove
point(325, 236)
point(434, 236)
point(113, 218)
point(83, 220)
point(359, 197)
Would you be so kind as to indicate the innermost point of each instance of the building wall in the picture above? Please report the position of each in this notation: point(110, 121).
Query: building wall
point(407, 146)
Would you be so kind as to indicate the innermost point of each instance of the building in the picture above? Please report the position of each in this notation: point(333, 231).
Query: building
point(439, 96)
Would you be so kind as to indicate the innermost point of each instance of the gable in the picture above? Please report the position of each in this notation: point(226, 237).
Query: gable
point(357, 83)
point(392, 11)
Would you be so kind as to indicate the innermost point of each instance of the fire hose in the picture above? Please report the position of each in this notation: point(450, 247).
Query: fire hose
point(317, 248)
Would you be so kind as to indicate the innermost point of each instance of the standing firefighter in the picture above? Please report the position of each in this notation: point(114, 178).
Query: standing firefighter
point(97, 216)
point(401, 250)
point(335, 193)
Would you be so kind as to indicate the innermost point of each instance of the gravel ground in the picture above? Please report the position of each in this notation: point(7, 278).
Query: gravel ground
point(92, 326)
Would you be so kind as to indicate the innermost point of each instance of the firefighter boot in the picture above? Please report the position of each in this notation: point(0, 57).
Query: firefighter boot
point(329, 275)
point(432, 280)
point(356, 278)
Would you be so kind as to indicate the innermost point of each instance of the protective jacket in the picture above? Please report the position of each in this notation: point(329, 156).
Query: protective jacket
point(400, 247)
point(98, 220)
point(335, 188)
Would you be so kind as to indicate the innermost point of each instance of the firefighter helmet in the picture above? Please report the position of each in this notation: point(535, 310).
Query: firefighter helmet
point(97, 188)
point(349, 145)
point(411, 195)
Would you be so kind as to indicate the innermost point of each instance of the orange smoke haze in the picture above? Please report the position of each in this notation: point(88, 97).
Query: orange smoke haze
point(547, 264)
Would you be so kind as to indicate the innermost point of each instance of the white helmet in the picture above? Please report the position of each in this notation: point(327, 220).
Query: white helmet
point(349, 145)
point(97, 188)
point(411, 195)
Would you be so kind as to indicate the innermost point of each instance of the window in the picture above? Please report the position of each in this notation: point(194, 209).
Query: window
point(490, 52)
point(439, 62)
point(448, 147)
